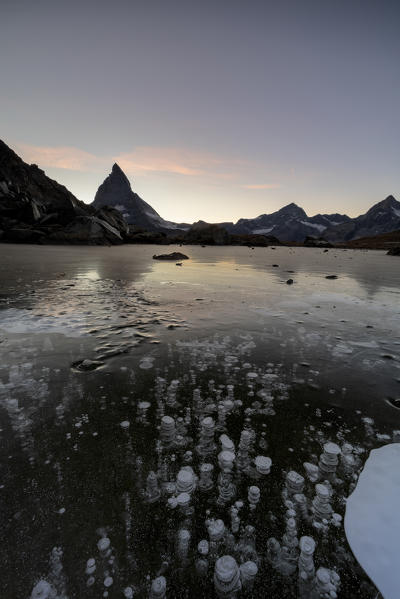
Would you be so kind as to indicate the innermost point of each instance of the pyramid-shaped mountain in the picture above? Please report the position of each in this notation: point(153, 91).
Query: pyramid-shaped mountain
point(116, 191)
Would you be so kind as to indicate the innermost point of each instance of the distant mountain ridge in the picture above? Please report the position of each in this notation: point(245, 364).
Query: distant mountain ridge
point(290, 223)
point(381, 218)
point(35, 208)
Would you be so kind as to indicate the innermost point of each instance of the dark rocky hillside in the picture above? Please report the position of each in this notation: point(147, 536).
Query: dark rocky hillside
point(37, 209)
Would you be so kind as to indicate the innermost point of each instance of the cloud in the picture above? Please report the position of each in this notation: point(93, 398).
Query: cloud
point(178, 161)
point(262, 186)
point(140, 161)
point(143, 161)
point(65, 157)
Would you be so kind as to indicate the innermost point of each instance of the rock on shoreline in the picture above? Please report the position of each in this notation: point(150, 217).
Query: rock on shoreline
point(173, 256)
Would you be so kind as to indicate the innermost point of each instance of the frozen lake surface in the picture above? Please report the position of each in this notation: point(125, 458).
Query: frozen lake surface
point(98, 345)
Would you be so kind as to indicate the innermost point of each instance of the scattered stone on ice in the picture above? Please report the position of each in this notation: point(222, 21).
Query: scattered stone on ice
point(173, 256)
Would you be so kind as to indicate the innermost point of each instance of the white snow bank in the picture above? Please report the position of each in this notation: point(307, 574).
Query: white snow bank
point(262, 231)
point(372, 520)
point(319, 228)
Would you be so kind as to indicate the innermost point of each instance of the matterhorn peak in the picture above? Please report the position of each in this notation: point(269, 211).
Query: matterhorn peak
point(116, 191)
point(116, 169)
point(118, 175)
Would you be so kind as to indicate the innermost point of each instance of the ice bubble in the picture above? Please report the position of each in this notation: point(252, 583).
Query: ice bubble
point(228, 405)
point(226, 576)
point(108, 581)
point(294, 482)
point(144, 405)
point(146, 363)
point(125, 424)
point(216, 529)
point(203, 547)
point(158, 588)
point(183, 500)
point(153, 492)
point(185, 481)
point(227, 443)
point(103, 544)
point(90, 566)
point(253, 496)
point(42, 590)
point(396, 436)
point(205, 482)
point(172, 502)
point(226, 459)
point(263, 464)
point(307, 545)
point(252, 375)
point(312, 471)
point(323, 578)
point(332, 449)
point(248, 572)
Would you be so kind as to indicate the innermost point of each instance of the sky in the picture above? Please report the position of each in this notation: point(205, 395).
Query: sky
point(215, 110)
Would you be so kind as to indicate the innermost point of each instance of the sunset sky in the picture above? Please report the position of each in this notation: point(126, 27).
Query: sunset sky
point(215, 110)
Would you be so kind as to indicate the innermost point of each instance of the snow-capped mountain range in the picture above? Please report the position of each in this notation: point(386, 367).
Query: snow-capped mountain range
point(290, 223)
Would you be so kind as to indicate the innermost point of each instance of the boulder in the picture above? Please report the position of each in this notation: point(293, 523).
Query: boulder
point(20, 206)
point(114, 218)
point(172, 256)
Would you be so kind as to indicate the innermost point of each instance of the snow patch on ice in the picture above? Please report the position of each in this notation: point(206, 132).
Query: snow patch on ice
point(372, 520)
